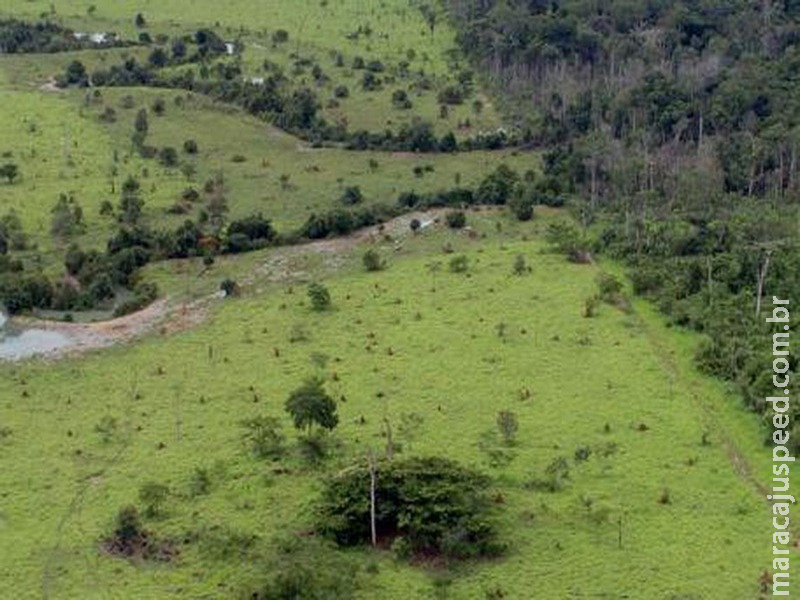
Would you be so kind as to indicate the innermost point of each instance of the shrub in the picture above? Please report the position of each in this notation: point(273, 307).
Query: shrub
point(168, 156)
point(264, 437)
point(508, 425)
point(153, 495)
point(520, 266)
point(459, 264)
point(456, 219)
point(434, 504)
point(372, 260)
point(319, 296)
point(305, 568)
point(229, 287)
point(190, 147)
point(341, 91)
point(352, 195)
point(451, 95)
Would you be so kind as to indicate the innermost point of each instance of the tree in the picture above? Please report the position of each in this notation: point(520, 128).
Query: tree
point(319, 296)
point(310, 405)
point(9, 171)
point(140, 21)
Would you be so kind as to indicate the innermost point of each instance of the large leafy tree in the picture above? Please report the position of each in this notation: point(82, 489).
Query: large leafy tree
point(310, 405)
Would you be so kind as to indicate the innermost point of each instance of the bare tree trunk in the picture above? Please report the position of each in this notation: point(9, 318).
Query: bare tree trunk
point(762, 276)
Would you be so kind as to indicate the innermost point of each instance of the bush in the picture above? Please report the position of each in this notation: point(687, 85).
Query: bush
point(168, 156)
point(308, 569)
point(319, 296)
point(229, 287)
point(434, 504)
point(373, 261)
point(264, 436)
point(456, 219)
point(451, 95)
point(341, 91)
point(352, 195)
point(190, 147)
point(459, 264)
point(153, 495)
point(520, 266)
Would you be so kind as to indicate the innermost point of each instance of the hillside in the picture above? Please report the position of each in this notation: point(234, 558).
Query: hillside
point(394, 300)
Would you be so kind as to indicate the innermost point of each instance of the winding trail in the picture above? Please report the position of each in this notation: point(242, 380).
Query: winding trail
point(169, 316)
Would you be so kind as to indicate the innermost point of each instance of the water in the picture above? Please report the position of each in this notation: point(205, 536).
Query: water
point(16, 345)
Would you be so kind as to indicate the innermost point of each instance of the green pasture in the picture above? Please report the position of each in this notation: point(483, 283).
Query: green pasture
point(411, 339)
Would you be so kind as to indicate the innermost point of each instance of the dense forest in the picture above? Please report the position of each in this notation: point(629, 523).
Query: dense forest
point(673, 128)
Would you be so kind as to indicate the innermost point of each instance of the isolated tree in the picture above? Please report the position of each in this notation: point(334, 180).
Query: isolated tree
point(9, 171)
point(140, 21)
point(310, 405)
point(319, 296)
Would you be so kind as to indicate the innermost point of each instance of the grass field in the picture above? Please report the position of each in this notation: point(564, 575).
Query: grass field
point(448, 365)
point(317, 32)
point(667, 506)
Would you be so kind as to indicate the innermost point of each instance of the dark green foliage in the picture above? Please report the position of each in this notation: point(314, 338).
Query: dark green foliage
point(401, 100)
point(9, 171)
point(67, 217)
point(319, 296)
point(20, 37)
point(168, 156)
point(310, 405)
point(434, 504)
point(229, 287)
point(459, 264)
point(456, 219)
point(307, 569)
point(372, 261)
point(140, 124)
point(352, 195)
point(251, 232)
point(497, 187)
